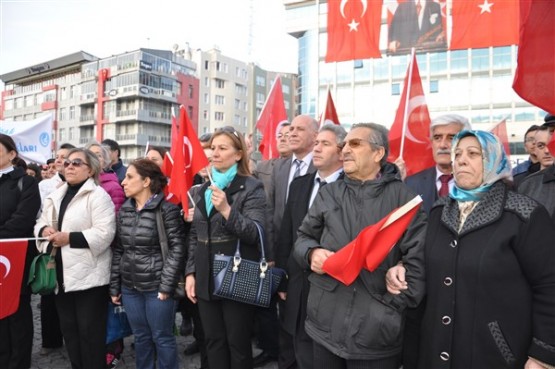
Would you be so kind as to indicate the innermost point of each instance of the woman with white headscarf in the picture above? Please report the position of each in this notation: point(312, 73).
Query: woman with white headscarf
point(490, 268)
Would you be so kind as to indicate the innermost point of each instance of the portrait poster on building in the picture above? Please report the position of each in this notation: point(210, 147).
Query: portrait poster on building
point(416, 23)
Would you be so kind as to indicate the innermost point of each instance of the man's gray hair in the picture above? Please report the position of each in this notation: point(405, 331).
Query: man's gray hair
point(446, 119)
point(379, 137)
point(337, 130)
point(104, 151)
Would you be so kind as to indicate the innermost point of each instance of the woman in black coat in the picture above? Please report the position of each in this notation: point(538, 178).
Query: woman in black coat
point(227, 212)
point(19, 205)
point(141, 277)
point(490, 269)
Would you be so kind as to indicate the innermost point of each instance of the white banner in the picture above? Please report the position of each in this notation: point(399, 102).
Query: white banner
point(32, 137)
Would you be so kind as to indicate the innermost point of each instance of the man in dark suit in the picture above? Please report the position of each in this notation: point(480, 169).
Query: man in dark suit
point(416, 23)
point(265, 168)
point(302, 192)
point(302, 134)
point(430, 184)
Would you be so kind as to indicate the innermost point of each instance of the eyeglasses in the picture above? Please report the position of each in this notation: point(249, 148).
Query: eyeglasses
point(355, 142)
point(75, 162)
point(530, 139)
point(281, 135)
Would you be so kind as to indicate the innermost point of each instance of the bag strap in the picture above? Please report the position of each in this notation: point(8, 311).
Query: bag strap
point(162, 237)
point(20, 184)
point(261, 243)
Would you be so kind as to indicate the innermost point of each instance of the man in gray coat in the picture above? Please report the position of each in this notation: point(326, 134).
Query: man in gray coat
point(359, 325)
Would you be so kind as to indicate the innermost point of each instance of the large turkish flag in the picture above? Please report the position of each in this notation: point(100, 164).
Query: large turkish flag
point(12, 265)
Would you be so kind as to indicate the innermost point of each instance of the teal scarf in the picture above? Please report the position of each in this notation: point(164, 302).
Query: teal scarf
point(221, 180)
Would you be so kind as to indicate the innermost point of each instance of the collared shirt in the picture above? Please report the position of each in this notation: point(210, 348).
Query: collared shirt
point(6, 170)
point(305, 163)
point(329, 179)
point(438, 181)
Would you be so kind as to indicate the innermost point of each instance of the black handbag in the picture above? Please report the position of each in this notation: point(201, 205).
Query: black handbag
point(246, 281)
point(179, 292)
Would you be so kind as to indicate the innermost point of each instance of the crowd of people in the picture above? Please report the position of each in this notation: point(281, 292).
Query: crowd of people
point(469, 284)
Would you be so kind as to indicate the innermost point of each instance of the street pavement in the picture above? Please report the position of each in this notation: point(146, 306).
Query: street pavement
point(58, 359)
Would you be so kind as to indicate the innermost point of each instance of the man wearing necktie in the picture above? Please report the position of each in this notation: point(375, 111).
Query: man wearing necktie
point(302, 134)
point(416, 23)
point(302, 192)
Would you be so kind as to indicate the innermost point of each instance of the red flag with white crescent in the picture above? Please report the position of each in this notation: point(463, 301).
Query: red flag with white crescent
point(188, 160)
point(412, 121)
point(329, 115)
point(372, 245)
point(273, 113)
point(12, 265)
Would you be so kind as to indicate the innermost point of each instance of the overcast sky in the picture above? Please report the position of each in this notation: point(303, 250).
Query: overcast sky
point(36, 31)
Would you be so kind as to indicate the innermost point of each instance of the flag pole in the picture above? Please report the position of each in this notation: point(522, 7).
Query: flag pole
point(407, 99)
point(24, 239)
point(318, 56)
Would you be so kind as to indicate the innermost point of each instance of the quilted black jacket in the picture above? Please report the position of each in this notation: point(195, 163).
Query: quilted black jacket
point(137, 261)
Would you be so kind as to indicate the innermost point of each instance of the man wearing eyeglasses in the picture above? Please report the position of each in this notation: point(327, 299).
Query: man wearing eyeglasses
point(531, 165)
point(302, 135)
point(541, 185)
point(359, 325)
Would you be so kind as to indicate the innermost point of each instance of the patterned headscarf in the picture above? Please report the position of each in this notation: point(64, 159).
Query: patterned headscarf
point(496, 164)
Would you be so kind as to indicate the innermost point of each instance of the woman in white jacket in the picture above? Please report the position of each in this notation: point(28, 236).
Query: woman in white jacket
point(78, 219)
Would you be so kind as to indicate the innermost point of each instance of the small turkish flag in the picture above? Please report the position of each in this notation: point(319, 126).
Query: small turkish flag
point(370, 248)
point(329, 115)
point(484, 23)
point(12, 265)
point(500, 130)
point(412, 121)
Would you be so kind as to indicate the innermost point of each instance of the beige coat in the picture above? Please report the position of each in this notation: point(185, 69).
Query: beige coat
point(92, 212)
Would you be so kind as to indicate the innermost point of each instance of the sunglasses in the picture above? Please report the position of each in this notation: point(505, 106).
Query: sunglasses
point(354, 143)
point(228, 129)
point(75, 162)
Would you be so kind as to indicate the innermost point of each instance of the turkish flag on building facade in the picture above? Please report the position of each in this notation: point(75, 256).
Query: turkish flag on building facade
point(353, 30)
point(329, 115)
point(535, 73)
point(500, 130)
point(272, 114)
point(409, 136)
point(372, 245)
point(12, 265)
point(484, 23)
point(188, 160)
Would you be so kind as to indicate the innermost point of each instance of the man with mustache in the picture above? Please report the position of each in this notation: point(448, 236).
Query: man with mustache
point(360, 325)
point(435, 182)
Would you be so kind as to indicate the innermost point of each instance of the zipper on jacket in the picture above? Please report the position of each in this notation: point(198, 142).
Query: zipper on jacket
point(134, 234)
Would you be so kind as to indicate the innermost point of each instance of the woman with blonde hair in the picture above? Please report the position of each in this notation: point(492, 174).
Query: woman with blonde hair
point(78, 219)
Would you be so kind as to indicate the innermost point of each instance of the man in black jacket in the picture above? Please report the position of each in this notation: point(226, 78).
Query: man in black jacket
point(302, 192)
point(359, 325)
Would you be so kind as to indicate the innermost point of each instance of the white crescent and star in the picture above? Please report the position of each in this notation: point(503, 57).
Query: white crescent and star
point(187, 143)
point(353, 25)
point(4, 260)
point(414, 103)
point(485, 7)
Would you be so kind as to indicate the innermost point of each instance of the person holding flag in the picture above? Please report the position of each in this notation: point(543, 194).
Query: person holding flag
point(359, 324)
point(19, 206)
point(228, 208)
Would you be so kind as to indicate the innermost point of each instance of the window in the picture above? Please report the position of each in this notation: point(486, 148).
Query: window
point(237, 103)
point(480, 60)
point(190, 91)
point(244, 105)
point(220, 83)
point(72, 112)
point(206, 65)
point(63, 93)
point(502, 57)
point(205, 114)
point(72, 133)
point(206, 82)
point(260, 97)
point(72, 92)
point(219, 116)
point(62, 132)
point(240, 89)
point(63, 114)
point(190, 111)
point(459, 61)
point(395, 89)
point(434, 86)
point(285, 89)
point(236, 120)
point(206, 98)
point(260, 81)
point(219, 100)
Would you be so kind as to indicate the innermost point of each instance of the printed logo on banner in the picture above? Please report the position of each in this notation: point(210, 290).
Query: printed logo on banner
point(44, 139)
